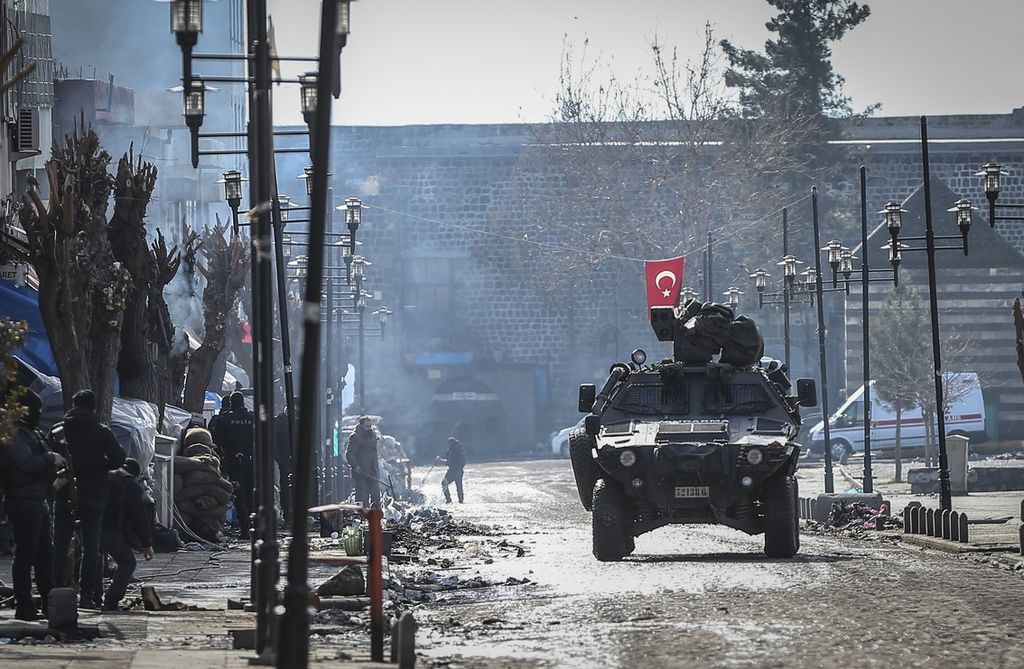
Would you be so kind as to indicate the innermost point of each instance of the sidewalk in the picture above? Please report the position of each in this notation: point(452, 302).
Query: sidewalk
point(140, 639)
point(977, 506)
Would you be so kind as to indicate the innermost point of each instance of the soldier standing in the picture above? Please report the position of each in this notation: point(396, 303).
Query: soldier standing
point(456, 461)
point(234, 436)
point(27, 473)
point(94, 452)
point(362, 457)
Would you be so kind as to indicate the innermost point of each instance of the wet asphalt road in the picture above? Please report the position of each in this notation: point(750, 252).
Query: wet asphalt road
point(704, 596)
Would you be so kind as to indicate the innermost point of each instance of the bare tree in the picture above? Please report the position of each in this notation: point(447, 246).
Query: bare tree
point(83, 288)
point(227, 266)
point(647, 167)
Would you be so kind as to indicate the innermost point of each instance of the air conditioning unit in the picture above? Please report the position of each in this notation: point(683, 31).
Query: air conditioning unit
point(26, 133)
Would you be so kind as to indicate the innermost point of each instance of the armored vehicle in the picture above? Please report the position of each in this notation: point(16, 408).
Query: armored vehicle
point(704, 437)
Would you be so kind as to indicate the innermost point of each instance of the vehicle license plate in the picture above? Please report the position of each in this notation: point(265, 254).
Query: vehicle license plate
point(692, 491)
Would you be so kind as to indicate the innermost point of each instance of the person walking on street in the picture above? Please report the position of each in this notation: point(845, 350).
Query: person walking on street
point(27, 472)
point(94, 452)
point(126, 514)
point(234, 436)
point(456, 461)
point(361, 454)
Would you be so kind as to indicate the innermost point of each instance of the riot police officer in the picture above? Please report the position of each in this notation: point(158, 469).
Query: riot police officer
point(233, 434)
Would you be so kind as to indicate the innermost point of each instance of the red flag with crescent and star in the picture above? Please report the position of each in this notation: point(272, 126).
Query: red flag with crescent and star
point(664, 281)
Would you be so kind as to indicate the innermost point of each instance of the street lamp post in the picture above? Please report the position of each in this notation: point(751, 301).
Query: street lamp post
point(963, 212)
point(186, 24)
point(294, 640)
point(822, 357)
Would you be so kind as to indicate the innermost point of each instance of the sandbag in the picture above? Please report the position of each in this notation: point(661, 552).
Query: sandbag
point(744, 346)
point(206, 502)
point(187, 507)
point(704, 334)
point(207, 489)
point(178, 482)
point(207, 528)
point(205, 463)
point(197, 435)
point(199, 477)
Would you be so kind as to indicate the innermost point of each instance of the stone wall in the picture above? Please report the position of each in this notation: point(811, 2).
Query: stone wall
point(443, 227)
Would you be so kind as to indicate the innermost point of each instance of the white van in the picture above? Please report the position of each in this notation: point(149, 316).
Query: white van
point(846, 427)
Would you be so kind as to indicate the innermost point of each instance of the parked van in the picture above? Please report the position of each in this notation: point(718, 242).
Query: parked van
point(846, 427)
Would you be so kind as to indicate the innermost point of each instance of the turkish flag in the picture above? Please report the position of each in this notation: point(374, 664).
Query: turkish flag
point(664, 281)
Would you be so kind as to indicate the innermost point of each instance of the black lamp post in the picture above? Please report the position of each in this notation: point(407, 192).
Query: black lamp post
point(194, 112)
point(186, 24)
point(822, 357)
point(308, 100)
point(359, 264)
point(732, 297)
point(342, 30)
point(353, 208)
point(963, 218)
point(992, 174)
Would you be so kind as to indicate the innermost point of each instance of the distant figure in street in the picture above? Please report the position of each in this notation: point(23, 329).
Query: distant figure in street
point(283, 458)
point(126, 514)
point(94, 451)
point(361, 454)
point(233, 433)
point(27, 470)
point(456, 461)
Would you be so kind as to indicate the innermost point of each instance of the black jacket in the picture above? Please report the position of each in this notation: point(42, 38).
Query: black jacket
point(94, 451)
point(233, 434)
point(126, 510)
point(362, 452)
point(26, 466)
point(282, 444)
point(456, 457)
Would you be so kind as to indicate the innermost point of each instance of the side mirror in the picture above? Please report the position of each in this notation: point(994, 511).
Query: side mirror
point(592, 425)
point(806, 392)
point(588, 394)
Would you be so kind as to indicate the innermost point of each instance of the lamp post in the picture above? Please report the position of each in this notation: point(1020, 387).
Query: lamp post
point(732, 297)
point(963, 218)
point(294, 647)
point(232, 180)
point(194, 112)
point(353, 208)
point(822, 357)
point(308, 99)
point(342, 30)
point(186, 24)
point(358, 267)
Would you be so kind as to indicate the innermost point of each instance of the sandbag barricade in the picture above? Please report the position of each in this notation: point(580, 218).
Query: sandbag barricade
point(201, 495)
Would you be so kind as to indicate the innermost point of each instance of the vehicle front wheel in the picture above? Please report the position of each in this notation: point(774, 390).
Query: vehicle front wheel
point(781, 517)
point(584, 469)
point(612, 539)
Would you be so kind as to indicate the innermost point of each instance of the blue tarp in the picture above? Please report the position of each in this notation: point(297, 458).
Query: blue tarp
point(22, 304)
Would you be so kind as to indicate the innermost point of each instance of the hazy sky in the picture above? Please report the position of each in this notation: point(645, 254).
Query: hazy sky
point(487, 61)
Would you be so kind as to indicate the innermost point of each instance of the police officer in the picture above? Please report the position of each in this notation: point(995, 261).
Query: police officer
point(234, 436)
point(283, 458)
point(361, 454)
point(456, 461)
point(126, 514)
point(27, 472)
point(94, 452)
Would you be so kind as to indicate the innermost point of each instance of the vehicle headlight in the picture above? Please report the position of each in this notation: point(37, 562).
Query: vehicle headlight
point(627, 458)
point(755, 456)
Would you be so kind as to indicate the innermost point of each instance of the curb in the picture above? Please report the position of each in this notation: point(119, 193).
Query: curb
point(956, 547)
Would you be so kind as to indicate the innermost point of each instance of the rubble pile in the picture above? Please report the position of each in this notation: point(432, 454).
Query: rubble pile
point(200, 493)
point(855, 520)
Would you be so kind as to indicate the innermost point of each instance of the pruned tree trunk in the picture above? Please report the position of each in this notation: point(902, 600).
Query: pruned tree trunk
point(899, 443)
point(83, 288)
point(227, 265)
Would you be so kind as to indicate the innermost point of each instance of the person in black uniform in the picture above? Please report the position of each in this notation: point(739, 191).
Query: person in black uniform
point(456, 461)
point(94, 452)
point(234, 437)
point(27, 470)
point(283, 458)
point(126, 513)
